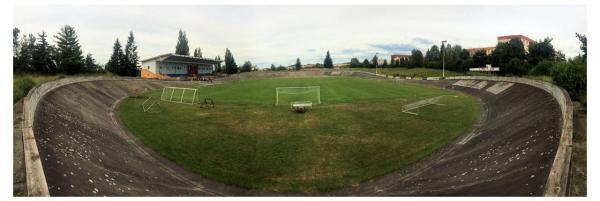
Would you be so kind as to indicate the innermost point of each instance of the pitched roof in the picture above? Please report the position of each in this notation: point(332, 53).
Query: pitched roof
point(170, 57)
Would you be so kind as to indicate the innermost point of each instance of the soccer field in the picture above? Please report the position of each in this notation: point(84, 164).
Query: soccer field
point(357, 133)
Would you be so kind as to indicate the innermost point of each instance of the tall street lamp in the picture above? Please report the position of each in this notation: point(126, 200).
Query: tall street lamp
point(376, 63)
point(443, 59)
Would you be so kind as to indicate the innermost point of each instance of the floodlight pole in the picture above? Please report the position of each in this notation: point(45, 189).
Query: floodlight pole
point(444, 60)
point(376, 63)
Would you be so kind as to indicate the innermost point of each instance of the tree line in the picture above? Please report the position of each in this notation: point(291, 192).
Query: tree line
point(36, 54)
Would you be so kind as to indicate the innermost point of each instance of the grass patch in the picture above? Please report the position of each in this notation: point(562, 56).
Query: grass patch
point(417, 72)
point(23, 83)
point(356, 134)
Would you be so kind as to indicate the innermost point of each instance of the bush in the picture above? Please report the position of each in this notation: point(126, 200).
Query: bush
point(542, 68)
point(572, 77)
point(21, 88)
point(516, 66)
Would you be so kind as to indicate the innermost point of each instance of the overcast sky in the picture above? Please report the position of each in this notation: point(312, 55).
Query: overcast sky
point(280, 34)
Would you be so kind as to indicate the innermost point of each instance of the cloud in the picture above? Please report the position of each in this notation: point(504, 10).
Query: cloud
point(350, 51)
point(292, 34)
point(422, 41)
point(392, 48)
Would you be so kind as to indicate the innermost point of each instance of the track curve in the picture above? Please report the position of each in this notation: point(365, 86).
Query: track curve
point(86, 151)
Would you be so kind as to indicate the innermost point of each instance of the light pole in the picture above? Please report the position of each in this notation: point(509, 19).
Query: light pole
point(376, 63)
point(443, 59)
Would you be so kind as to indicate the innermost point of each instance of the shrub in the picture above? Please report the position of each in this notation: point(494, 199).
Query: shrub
point(517, 67)
point(572, 77)
point(21, 87)
point(542, 68)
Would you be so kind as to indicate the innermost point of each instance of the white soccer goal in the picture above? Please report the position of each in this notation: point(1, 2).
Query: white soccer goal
point(179, 95)
point(422, 103)
point(289, 95)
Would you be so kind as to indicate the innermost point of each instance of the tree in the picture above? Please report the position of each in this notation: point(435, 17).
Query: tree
point(182, 47)
point(328, 63)
point(416, 58)
point(480, 59)
point(247, 67)
point(385, 64)
point(366, 63)
point(16, 64)
point(572, 77)
point(506, 51)
point(433, 57)
point(90, 64)
point(273, 67)
point(354, 63)
point(131, 57)
point(374, 61)
point(41, 59)
point(542, 68)
point(517, 67)
point(583, 46)
point(542, 50)
point(230, 65)
point(25, 57)
point(298, 65)
point(218, 66)
point(197, 52)
point(117, 59)
point(16, 32)
point(69, 54)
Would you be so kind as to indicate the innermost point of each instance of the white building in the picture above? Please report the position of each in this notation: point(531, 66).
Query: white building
point(174, 65)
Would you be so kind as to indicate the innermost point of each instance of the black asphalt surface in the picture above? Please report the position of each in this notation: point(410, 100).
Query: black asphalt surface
point(86, 151)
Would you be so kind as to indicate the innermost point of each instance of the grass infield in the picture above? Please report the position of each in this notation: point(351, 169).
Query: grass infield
point(358, 133)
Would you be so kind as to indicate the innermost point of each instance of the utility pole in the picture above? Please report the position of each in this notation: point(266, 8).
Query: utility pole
point(444, 60)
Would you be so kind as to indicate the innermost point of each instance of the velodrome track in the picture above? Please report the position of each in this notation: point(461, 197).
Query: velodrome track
point(86, 151)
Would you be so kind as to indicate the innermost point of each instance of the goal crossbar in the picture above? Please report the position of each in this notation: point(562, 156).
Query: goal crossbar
point(316, 90)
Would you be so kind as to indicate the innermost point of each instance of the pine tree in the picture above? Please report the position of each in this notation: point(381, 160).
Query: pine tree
point(198, 53)
point(328, 63)
point(69, 54)
point(182, 47)
point(42, 61)
point(16, 32)
point(116, 60)
point(375, 62)
point(131, 57)
point(230, 65)
point(218, 66)
point(354, 63)
point(90, 64)
point(25, 58)
point(16, 64)
point(298, 65)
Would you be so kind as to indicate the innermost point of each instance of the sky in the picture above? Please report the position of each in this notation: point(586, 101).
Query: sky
point(278, 35)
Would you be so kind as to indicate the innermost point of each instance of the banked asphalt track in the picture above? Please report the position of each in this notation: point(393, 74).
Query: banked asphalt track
point(86, 151)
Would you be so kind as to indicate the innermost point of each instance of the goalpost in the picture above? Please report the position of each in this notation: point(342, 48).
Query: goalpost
point(179, 95)
point(303, 95)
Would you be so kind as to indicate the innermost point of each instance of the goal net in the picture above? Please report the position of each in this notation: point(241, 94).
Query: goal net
point(289, 95)
point(179, 95)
